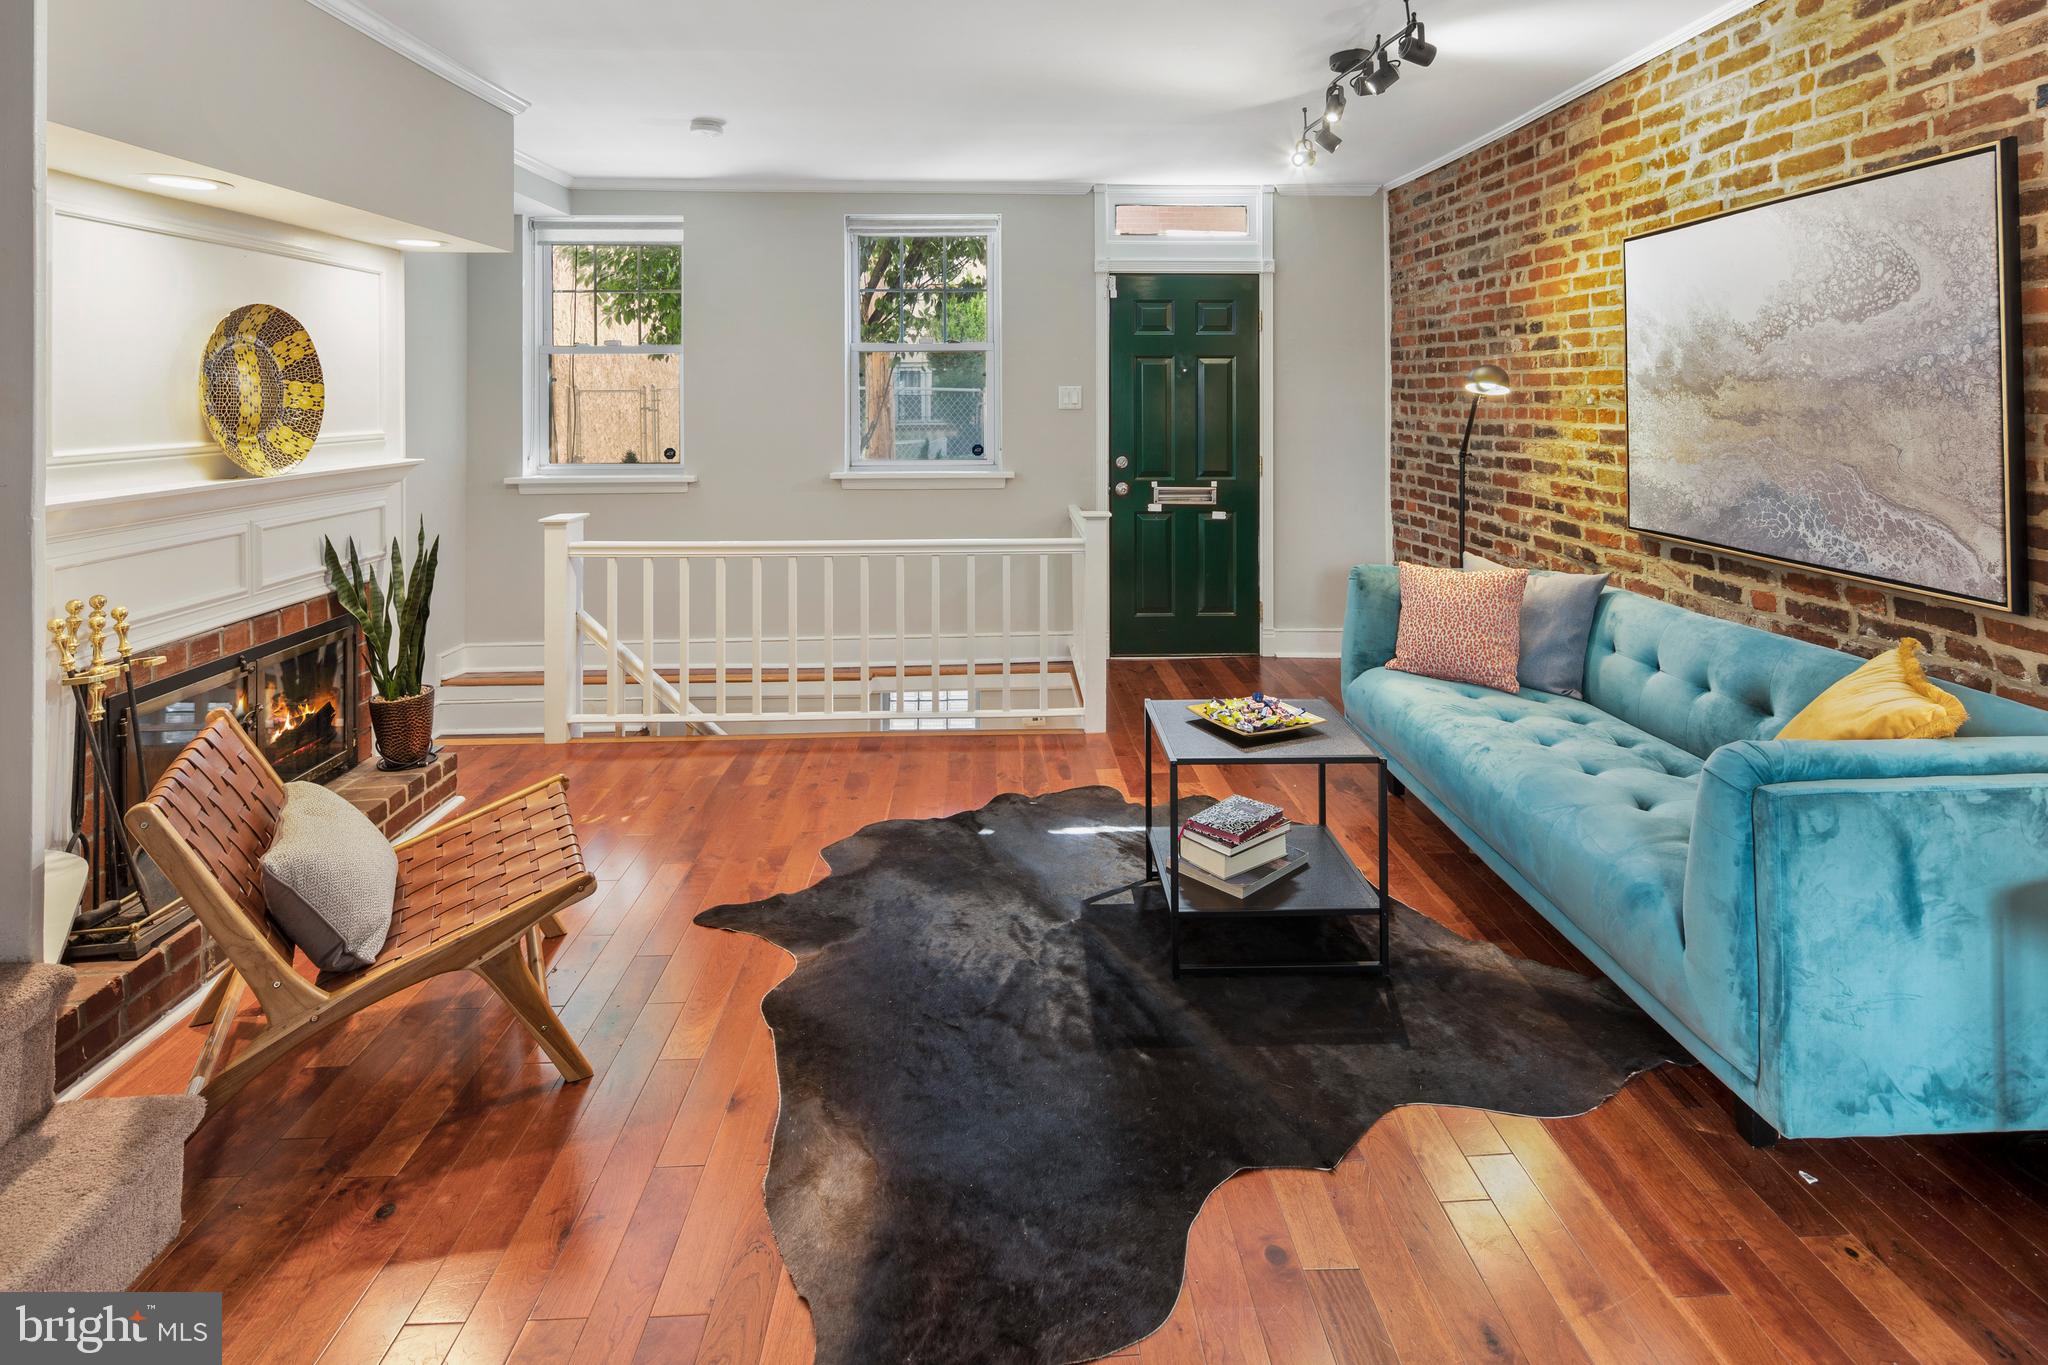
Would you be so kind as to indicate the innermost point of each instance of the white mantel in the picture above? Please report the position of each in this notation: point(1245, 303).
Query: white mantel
point(187, 559)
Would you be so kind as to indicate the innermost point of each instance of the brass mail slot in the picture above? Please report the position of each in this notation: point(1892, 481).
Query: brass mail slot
point(1184, 494)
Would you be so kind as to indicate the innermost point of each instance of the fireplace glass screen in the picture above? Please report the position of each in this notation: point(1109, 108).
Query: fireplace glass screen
point(295, 697)
point(300, 700)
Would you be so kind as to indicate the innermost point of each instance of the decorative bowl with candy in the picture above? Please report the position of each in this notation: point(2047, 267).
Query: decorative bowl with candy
point(1255, 717)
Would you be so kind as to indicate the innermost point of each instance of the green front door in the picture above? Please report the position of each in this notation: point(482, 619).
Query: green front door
point(1184, 464)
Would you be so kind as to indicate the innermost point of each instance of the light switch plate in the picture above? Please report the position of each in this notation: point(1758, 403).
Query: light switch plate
point(1070, 395)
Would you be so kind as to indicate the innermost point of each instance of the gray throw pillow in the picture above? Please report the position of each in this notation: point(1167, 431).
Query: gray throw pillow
point(330, 878)
point(1557, 620)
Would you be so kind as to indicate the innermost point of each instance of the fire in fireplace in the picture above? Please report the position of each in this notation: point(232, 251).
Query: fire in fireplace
point(296, 696)
point(305, 699)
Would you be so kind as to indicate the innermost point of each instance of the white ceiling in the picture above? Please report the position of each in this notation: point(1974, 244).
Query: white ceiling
point(1053, 91)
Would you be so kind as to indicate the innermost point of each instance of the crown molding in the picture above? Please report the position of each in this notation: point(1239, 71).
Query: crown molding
point(376, 27)
point(1311, 190)
point(706, 185)
point(659, 184)
point(533, 165)
point(1685, 33)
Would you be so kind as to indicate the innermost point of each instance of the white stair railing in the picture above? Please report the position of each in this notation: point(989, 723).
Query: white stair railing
point(846, 647)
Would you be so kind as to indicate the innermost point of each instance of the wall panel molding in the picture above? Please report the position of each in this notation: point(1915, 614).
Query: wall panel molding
point(138, 282)
point(187, 564)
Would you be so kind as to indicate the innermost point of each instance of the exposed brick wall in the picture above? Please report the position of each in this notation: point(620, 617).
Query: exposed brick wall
point(1515, 251)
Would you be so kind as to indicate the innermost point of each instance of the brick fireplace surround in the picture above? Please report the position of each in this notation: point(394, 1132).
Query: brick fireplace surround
point(1513, 253)
point(112, 1002)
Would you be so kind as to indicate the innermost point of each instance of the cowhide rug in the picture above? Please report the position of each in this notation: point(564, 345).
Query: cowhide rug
point(1000, 1115)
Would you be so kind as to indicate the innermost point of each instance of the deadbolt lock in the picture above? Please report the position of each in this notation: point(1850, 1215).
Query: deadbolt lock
point(1123, 462)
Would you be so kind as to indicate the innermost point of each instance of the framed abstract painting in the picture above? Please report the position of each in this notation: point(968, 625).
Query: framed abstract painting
point(1831, 380)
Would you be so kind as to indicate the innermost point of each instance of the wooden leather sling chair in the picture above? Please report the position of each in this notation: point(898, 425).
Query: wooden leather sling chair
point(475, 893)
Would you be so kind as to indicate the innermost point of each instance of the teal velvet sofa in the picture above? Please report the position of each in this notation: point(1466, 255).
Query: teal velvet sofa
point(1852, 935)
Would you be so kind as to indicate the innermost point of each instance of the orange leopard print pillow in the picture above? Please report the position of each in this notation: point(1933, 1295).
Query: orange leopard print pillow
point(1461, 626)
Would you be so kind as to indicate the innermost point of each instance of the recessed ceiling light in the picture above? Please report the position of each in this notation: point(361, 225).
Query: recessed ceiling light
point(188, 182)
point(419, 243)
point(708, 127)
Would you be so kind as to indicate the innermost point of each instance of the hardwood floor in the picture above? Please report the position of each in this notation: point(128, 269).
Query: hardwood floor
point(420, 1187)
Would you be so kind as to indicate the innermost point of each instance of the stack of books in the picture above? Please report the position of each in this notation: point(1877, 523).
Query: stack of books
point(1237, 846)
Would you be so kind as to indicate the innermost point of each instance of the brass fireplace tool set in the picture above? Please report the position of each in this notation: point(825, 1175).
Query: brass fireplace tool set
point(125, 926)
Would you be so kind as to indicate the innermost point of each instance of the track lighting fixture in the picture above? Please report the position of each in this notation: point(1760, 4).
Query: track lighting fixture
point(1416, 48)
point(1304, 153)
point(1368, 71)
point(1385, 74)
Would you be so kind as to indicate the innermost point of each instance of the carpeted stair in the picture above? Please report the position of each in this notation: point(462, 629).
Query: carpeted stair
point(89, 1189)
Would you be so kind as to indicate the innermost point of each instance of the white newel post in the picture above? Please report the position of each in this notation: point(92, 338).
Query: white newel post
point(562, 599)
point(1091, 617)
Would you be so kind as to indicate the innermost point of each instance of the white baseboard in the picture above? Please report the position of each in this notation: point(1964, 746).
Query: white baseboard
point(1300, 642)
point(511, 656)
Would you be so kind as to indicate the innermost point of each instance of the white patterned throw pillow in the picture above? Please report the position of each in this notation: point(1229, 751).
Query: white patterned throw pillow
point(329, 879)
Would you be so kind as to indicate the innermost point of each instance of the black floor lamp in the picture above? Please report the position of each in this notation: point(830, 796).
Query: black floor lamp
point(1488, 381)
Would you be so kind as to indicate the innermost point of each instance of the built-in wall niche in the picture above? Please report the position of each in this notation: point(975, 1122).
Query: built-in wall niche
point(137, 283)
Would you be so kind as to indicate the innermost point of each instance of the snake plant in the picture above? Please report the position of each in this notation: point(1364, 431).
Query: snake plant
point(393, 619)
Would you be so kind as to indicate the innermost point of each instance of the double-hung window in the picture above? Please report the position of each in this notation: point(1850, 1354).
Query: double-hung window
point(607, 374)
point(923, 338)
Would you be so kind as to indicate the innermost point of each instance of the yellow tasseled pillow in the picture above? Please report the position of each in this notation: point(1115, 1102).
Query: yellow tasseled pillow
point(1887, 698)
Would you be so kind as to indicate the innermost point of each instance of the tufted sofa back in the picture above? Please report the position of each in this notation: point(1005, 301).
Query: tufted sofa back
point(1699, 682)
point(1691, 680)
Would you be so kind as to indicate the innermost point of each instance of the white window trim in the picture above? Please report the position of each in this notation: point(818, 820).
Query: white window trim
point(985, 472)
point(913, 479)
point(537, 474)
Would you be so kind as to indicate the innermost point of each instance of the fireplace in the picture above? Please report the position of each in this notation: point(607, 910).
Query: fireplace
point(297, 697)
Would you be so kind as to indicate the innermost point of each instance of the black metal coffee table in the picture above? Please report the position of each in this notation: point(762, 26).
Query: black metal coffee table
point(1329, 886)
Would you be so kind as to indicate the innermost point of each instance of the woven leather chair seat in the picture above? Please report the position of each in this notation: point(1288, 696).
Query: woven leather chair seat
point(459, 876)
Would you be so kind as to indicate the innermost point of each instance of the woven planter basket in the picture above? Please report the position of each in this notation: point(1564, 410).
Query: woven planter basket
point(404, 728)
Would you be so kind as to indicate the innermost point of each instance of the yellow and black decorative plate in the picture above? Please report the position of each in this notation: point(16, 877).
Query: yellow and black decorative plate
point(261, 390)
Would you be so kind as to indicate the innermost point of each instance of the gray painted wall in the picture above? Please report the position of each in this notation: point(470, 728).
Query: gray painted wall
point(437, 431)
point(280, 92)
point(764, 381)
point(1330, 413)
